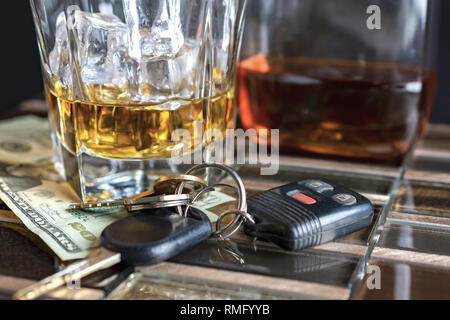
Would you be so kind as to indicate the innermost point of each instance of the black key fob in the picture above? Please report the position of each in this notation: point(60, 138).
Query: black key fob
point(155, 235)
point(307, 213)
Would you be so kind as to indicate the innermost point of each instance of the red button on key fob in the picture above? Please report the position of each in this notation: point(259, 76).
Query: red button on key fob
point(303, 198)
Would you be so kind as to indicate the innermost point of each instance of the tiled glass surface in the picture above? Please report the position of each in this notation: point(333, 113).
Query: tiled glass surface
point(308, 265)
point(335, 267)
point(411, 248)
point(413, 251)
point(436, 140)
point(331, 266)
point(25, 255)
point(405, 281)
point(423, 198)
point(363, 181)
point(431, 163)
point(417, 237)
point(151, 286)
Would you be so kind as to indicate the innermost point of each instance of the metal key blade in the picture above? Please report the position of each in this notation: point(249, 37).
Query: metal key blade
point(47, 284)
point(163, 199)
point(99, 259)
point(159, 199)
point(139, 207)
point(92, 205)
point(168, 184)
point(169, 201)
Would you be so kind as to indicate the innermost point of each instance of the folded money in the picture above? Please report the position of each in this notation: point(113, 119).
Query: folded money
point(34, 191)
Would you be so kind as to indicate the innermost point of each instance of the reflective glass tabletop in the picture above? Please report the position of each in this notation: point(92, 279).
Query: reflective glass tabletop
point(404, 254)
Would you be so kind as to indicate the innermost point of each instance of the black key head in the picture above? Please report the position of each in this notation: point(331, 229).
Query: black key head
point(155, 235)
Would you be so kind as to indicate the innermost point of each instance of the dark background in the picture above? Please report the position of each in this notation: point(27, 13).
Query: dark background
point(21, 78)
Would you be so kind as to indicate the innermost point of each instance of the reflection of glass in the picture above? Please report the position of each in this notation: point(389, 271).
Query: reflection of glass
point(121, 76)
point(333, 85)
point(307, 265)
point(148, 285)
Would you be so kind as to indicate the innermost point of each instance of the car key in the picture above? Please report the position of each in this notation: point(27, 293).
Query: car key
point(162, 195)
point(307, 213)
point(143, 239)
point(168, 184)
point(163, 201)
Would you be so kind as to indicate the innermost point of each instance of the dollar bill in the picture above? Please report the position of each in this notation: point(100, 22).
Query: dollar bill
point(34, 191)
point(25, 141)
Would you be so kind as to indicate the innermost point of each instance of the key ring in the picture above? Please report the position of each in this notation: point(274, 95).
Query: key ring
point(240, 213)
point(202, 192)
point(241, 217)
point(220, 233)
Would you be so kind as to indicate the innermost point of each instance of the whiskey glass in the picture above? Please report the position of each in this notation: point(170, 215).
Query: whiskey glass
point(122, 76)
point(347, 79)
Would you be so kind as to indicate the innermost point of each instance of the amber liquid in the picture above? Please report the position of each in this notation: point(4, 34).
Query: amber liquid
point(337, 108)
point(123, 131)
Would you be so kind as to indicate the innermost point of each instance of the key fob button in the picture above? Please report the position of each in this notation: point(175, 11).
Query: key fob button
point(318, 186)
point(345, 199)
point(303, 198)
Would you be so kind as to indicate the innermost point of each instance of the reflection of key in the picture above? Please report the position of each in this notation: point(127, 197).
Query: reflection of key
point(143, 239)
point(99, 259)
